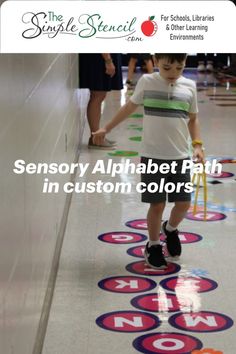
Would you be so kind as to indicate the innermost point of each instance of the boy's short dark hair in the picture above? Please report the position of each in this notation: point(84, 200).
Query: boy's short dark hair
point(171, 57)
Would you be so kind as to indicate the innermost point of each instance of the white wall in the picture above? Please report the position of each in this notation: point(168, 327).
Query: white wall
point(39, 122)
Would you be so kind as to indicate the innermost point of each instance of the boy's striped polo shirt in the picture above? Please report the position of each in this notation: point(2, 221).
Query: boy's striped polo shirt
point(166, 114)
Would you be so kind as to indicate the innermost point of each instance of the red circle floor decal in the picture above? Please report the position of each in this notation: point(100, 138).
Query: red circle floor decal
point(185, 284)
point(140, 224)
point(162, 302)
point(220, 175)
point(202, 321)
point(122, 237)
point(210, 216)
point(166, 343)
point(141, 267)
point(128, 321)
point(185, 237)
point(127, 284)
point(136, 251)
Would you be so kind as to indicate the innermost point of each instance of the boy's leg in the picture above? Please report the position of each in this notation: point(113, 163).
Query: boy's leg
point(154, 217)
point(153, 251)
point(182, 200)
point(178, 212)
point(169, 227)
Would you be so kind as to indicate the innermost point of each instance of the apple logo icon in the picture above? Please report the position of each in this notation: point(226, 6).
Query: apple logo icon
point(149, 27)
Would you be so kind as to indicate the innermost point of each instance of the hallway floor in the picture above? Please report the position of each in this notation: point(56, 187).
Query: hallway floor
point(106, 299)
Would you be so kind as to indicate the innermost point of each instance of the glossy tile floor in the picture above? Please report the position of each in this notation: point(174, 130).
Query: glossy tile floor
point(101, 305)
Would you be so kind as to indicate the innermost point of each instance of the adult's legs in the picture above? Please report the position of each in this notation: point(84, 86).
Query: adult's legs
point(94, 109)
point(201, 62)
point(131, 69)
point(149, 66)
point(231, 70)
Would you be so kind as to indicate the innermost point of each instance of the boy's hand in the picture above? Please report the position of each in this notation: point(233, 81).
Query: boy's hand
point(198, 154)
point(99, 136)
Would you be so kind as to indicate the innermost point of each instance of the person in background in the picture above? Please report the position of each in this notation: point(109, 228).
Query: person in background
point(134, 58)
point(210, 62)
point(231, 69)
point(100, 73)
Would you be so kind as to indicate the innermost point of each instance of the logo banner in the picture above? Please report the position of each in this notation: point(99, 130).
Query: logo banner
point(124, 26)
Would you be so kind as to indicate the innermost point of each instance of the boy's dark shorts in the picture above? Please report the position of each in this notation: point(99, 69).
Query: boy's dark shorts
point(157, 197)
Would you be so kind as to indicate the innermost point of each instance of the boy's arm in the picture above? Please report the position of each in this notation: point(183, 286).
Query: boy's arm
point(122, 114)
point(194, 130)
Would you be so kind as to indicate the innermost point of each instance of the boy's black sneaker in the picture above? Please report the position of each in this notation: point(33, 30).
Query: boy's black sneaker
point(154, 257)
point(172, 241)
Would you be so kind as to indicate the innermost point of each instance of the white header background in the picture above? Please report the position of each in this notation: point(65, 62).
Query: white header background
point(220, 36)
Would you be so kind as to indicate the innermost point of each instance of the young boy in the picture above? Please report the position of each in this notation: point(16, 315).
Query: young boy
point(170, 116)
